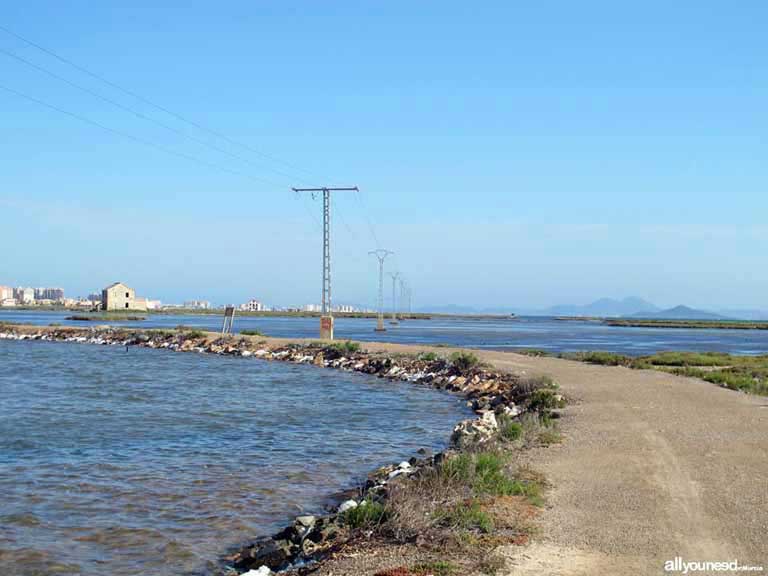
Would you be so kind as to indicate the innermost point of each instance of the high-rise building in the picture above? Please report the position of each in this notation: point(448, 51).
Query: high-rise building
point(51, 294)
point(24, 295)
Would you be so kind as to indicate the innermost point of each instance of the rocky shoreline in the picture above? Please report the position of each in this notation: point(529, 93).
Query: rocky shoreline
point(494, 397)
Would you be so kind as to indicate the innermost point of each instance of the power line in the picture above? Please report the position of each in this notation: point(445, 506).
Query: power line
point(150, 102)
point(344, 220)
point(175, 115)
point(168, 111)
point(371, 227)
point(326, 320)
point(138, 114)
point(135, 138)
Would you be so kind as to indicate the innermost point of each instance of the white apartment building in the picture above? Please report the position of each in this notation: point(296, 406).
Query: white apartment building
point(252, 306)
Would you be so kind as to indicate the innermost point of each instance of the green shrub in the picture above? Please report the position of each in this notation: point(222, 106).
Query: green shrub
point(464, 361)
point(347, 347)
point(548, 437)
point(597, 357)
point(367, 514)
point(688, 359)
point(428, 357)
point(545, 399)
point(194, 334)
point(250, 332)
point(466, 516)
point(484, 473)
point(509, 429)
point(535, 352)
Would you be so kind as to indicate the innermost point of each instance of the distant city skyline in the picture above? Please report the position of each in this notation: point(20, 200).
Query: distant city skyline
point(513, 162)
point(598, 306)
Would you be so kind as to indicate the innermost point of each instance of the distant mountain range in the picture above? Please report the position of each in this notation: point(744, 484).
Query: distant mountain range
point(632, 307)
point(679, 313)
point(604, 307)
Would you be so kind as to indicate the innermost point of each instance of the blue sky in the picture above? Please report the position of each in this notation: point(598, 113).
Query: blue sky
point(511, 154)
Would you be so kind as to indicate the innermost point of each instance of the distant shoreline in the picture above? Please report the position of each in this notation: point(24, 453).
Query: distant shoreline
point(262, 314)
point(700, 324)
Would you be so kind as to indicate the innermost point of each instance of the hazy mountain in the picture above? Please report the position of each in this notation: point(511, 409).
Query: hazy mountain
point(680, 313)
point(607, 307)
point(603, 307)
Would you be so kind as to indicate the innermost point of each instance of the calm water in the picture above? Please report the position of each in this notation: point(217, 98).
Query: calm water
point(526, 332)
point(154, 463)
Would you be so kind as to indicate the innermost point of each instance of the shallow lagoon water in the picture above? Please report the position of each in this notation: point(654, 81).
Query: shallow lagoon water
point(152, 462)
point(489, 333)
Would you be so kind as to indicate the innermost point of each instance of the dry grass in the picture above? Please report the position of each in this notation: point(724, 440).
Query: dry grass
point(469, 504)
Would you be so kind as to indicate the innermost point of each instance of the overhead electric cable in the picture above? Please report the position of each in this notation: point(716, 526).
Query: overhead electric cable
point(149, 102)
point(136, 138)
point(140, 114)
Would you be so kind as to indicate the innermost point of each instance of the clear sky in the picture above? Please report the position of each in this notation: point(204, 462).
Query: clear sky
point(511, 154)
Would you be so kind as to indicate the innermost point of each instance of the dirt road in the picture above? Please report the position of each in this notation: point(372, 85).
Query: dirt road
point(653, 466)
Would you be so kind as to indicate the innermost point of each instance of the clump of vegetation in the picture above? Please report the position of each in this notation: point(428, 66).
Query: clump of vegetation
point(509, 429)
point(188, 332)
point(251, 332)
point(469, 503)
point(347, 347)
point(550, 436)
point(466, 515)
point(535, 352)
point(687, 359)
point(464, 361)
point(439, 568)
point(598, 357)
point(745, 373)
point(544, 400)
point(367, 514)
point(428, 357)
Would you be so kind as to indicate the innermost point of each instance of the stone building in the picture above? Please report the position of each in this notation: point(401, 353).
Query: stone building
point(118, 296)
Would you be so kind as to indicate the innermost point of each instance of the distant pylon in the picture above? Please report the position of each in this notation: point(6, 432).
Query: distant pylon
point(381, 254)
point(395, 276)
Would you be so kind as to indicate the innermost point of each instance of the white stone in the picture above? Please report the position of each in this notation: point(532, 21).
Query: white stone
point(263, 571)
point(347, 505)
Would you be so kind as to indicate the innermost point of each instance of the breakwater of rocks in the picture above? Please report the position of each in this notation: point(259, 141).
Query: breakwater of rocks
point(493, 396)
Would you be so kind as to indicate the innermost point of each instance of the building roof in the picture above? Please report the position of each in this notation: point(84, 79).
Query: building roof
point(115, 284)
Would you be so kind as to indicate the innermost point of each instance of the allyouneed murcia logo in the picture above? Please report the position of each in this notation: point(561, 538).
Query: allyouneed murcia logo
point(685, 567)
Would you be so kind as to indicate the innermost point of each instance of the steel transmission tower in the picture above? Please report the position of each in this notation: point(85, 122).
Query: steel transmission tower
point(381, 254)
point(403, 292)
point(326, 317)
point(394, 276)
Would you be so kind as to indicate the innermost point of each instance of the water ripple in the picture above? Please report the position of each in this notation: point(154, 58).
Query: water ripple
point(156, 463)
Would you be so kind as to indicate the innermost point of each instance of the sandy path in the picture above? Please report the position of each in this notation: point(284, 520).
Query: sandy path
point(653, 466)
